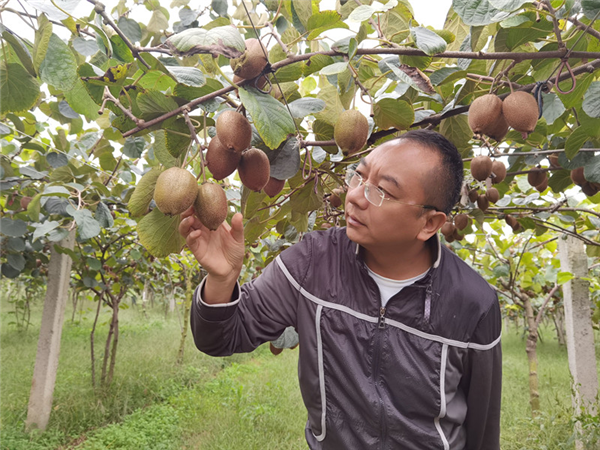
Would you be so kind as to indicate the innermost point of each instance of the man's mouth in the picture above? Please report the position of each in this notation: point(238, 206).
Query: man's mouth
point(353, 221)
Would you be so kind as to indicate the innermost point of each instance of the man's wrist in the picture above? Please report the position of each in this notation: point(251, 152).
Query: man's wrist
point(219, 289)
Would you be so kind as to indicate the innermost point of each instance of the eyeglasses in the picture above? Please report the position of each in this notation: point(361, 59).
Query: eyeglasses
point(373, 194)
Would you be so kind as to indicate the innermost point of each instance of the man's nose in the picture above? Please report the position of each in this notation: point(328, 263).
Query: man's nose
point(357, 197)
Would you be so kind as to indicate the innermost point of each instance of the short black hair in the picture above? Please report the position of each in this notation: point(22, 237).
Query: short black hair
point(445, 193)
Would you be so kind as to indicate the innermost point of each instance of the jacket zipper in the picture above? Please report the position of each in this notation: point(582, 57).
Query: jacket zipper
point(376, 367)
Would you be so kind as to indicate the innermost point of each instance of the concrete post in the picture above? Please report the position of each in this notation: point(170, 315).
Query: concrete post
point(578, 324)
point(46, 361)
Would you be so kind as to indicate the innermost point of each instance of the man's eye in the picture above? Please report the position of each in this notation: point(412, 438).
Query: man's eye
point(386, 193)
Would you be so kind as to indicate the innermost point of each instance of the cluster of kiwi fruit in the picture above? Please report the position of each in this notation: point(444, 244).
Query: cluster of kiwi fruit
point(538, 178)
point(453, 228)
point(176, 190)
point(490, 116)
point(589, 188)
point(351, 131)
point(230, 150)
point(482, 169)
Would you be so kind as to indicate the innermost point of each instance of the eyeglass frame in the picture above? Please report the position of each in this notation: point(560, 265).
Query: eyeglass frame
point(351, 174)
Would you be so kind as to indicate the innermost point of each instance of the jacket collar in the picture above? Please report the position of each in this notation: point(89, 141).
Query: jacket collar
point(435, 241)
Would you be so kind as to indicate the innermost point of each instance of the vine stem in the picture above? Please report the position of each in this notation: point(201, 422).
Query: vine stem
point(195, 138)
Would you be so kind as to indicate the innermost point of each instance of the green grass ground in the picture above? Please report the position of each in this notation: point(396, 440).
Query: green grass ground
point(241, 402)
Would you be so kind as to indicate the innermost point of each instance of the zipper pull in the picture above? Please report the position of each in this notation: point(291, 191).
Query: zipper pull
point(382, 318)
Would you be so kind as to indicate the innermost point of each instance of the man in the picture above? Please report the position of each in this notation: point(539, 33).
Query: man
point(399, 338)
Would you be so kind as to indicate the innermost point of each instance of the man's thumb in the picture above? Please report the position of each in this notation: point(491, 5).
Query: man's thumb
point(237, 227)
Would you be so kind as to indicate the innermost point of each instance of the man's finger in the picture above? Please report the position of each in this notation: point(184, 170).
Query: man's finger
point(237, 227)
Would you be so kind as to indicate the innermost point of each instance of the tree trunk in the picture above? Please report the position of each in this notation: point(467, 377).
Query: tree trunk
point(92, 335)
point(113, 353)
point(109, 338)
point(531, 349)
point(48, 350)
point(145, 297)
point(189, 294)
point(74, 300)
point(559, 327)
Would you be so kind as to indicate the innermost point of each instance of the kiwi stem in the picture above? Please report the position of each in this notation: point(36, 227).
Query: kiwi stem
point(226, 77)
point(195, 138)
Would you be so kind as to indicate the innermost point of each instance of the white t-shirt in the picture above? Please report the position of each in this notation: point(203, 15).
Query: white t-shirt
point(388, 287)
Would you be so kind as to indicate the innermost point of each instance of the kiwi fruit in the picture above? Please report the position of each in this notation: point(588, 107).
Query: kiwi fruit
point(543, 185)
point(536, 177)
point(578, 177)
point(485, 115)
point(553, 159)
point(252, 62)
point(512, 222)
point(24, 202)
point(351, 131)
point(461, 221)
point(590, 189)
point(483, 203)
point(274, 187)
point(473, 194)
point(335, 199)
point(234, 130)
point(220, 160)
point(498, 130)
point(457, 235)
point(448, 228)
point(259, 82)
point(492, 195)
point(254, 169)
point(175, 191)
point(211, 205)
point(481, 167)
point(521, 111)
point(498, 172)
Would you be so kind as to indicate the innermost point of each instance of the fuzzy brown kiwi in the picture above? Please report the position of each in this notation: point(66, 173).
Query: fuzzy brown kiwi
point(473, 194)
point(536, 177)
point(448, 228)
point(351, 131)
point(273, 187)
point(258, 82)
point(483, 203)
point(485, 114)
point(511, 221)
point(254, 169)
point(461, 221)
point(252, 61)
point(553, 159)
point(335, 199)
point(521, 111)
point(457, 235)
point(578, 177)
point(498, 172)
point(175, 191)
point(211, 205)
point(234, 130)
point(481, 167)
point(220, 160)
point(492, 195)
point(542, 186)
point(498, 130)
point(590, 189)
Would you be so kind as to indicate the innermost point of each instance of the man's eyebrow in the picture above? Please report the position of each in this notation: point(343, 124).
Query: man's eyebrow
point(363, 162)
point(391, 180)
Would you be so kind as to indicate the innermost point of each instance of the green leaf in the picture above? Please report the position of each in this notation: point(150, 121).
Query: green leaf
point(41, 41)
point(508, 5)
point(13, 228)
point(590, 8)
point(428, 41)
point(591, 100)
point(325, 20)
point(291, 72)
point(157, 81)
point(456, 129)
point(160, 234)
point(305, 106)
point(44, 229)
point(329, 94)
point(160, 150)
point(307, 200)
point(103, 216)
point(574, 98)
point(19, 91)
point(271, 118)
point(575, 141)
point(87, 226)
point(334, 68)
point(591, 170)
point(285, 161)
point(362, 13)
point(79, 99)
point(143, 193)
point(478, 12)
point(303, 10)
point(130, 28)
point(190, 76)
point(21, 51)
point(552, 107)
point(226, 41)
point(121, 53)
point(178, 137)
point(33, 209)
point(390, 113)
point(59, 68)
point(564, 277)
point(154, 103)
point(158, 22)
point(16, 261)
point(134, 147)
point(446, 74)
point(560, 180)
point(324, 132)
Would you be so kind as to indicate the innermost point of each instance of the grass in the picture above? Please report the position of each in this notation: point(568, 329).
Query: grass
point(241, 402)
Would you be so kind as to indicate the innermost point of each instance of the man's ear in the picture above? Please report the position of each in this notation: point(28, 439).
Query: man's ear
point(433, 222)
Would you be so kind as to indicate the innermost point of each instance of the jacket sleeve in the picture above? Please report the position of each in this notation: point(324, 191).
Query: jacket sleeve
point(483, 383)
point(260, 310)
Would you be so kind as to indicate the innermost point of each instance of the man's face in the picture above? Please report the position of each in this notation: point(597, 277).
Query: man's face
point(401, 169)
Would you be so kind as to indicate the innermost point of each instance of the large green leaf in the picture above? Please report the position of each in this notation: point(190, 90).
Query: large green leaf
point(590, 8)
point(591, 170)
point(303, 11)
point(307, 200)
point(325, 20)
point(130, 28)
point(575, 141)
point(18, 89)
point(160, 150)
point(225, 41)
point(478, 12)
point(553, 108)
point(21, 50)
point(329, 94)
point(456, 129)
point(429, 41)
point(591, 100)
point(190, 76)
point(271, 119)
point(390, 113)
point(160, 233)
point(362, 13)
point(508, 5)
point(305, 106)
point(178, 137)
point(81, 102)
point(285, 161)
point(142, 195)
point(87, 226)
point(154, 103)
point(59, 68)
point(13, 228)
point(41, 41)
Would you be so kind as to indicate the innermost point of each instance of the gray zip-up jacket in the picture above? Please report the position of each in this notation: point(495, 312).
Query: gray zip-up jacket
point(422, 373)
